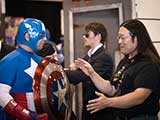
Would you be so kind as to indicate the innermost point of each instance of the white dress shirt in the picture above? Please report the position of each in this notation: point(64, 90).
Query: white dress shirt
point(92, 51)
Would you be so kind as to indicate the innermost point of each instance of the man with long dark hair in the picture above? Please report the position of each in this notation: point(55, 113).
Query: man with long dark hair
point(135, 86)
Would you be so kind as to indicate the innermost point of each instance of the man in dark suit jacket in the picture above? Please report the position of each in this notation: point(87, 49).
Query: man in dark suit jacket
point(101, 61)
point(5, 49)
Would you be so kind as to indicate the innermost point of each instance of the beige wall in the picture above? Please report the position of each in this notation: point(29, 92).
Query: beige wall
point(148, 13)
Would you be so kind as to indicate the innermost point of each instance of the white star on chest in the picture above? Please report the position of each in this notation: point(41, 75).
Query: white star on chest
point(31, 70)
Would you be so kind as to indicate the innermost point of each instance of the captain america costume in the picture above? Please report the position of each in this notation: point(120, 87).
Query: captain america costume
point(16, 94)
point(14, 80)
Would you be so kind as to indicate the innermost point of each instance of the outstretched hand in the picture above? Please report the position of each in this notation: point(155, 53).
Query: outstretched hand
point(84, 66)
point(97, 104)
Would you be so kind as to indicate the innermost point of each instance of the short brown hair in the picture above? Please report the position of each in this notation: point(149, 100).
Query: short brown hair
point(97, 28)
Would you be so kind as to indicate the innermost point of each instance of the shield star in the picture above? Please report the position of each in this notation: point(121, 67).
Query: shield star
point(60, 93)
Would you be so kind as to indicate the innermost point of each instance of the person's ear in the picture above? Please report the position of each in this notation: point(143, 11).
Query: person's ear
point(135, 38)
point(26, 36)
point(99, 36)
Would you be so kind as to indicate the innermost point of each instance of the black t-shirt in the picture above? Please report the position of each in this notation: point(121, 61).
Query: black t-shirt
point(139, 73)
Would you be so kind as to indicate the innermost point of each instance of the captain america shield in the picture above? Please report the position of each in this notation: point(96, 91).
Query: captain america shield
point(51, 90)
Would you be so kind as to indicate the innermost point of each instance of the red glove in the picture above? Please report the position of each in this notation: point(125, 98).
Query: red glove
point(21, 113)
point(43, 116)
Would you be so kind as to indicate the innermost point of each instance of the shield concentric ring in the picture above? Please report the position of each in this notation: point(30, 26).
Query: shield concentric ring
point(51, 90)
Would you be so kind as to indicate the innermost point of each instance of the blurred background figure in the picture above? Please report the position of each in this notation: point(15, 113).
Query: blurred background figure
point(60, 50)
point(49, 48)
point(5, 49)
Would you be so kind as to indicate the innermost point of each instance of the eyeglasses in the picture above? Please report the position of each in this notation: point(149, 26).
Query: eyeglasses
point(86, 35)
point(123, 37)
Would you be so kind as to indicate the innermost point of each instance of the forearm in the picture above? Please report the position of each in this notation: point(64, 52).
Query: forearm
point(5, 97)
point(19, 112)
point(129, 100)
point(103, 85)
point(16, 109)
point(10, 106)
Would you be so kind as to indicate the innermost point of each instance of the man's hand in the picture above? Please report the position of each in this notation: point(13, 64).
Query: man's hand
point(73, 66)
point(84, 66)
point(98, 104)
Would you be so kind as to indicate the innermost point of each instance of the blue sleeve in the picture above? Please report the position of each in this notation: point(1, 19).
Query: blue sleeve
point(7, 72)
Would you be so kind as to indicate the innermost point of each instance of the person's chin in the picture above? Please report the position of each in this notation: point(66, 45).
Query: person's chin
point(86, 45)
point(122, 51)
